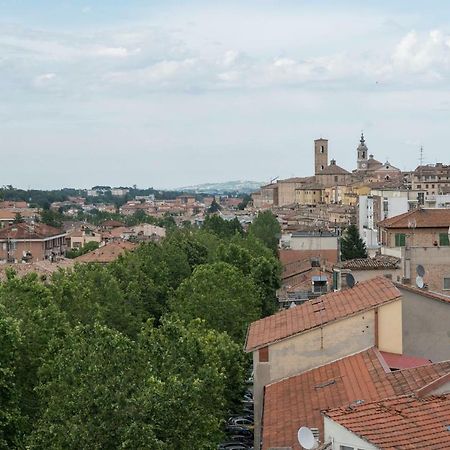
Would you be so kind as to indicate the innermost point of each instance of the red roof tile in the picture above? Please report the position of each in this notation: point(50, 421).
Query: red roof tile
point(26, 231)
point(395, 361)
point(399, 423)
point(106, 254)
point(299, 400)
point(334, 306)
point(419, 218)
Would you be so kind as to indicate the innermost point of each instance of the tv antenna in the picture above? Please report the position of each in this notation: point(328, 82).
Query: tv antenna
point(306, 438)
point(421, 155)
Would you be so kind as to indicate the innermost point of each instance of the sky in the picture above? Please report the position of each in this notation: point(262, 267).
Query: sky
point(174, 93)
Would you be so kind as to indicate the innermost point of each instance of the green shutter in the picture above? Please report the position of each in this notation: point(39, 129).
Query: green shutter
point(400, 239)
point(443, 239)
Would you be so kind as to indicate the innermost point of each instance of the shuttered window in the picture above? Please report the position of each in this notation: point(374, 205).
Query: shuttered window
point(400, 239)
point(443, 239)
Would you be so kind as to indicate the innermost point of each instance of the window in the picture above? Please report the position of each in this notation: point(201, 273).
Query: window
point(335, 178)
point(264, 354)
point(447, 284)
point(322, 149)
point(346, 447)
point(419, 186)
point(400, 239)
point(443, 239)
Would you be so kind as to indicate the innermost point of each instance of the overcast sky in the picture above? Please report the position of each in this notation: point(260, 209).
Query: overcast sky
point(166, 94)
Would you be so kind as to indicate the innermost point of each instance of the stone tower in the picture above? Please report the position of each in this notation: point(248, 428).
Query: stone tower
point(362, 157)
point(320, 155)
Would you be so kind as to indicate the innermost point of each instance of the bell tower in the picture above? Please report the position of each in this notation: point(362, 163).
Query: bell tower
point(362, 154)
point(320, 155)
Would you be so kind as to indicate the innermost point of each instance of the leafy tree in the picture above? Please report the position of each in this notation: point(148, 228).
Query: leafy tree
point(88, 247)
point(90, 293)
point(214, 207)
point(144, 278)
point(235, 255)
point(266, 274)
point(245, 201)
point(39, 321)
point(221, 227)
point(9, 396)
point(202, 375)
point(87, 386)
point(18, 218)
point(52, 218)
point(352, 246)
point(222, 296)
point(266, 228)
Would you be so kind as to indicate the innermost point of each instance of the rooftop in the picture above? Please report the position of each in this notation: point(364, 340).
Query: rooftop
point(377, 263)
point(26, 231)
point(299, 400)
point(327, 308)
point(403, 422)
point(419, 218)
point(106, 254)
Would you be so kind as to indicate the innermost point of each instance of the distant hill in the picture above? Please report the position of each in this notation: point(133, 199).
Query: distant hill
point(241, 186)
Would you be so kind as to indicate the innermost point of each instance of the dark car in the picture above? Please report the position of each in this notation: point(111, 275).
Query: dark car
point(241, 421)
point(234, 429)
point(233, 446)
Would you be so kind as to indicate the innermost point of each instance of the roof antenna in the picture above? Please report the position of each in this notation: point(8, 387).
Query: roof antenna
point(421, 155)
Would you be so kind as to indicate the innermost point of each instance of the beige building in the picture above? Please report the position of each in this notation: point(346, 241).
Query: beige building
point(79, 238)
point(23, 242)
point(433, 178)
point(309, 194)
point(322, 330)
point(287, 189)
point(420, 238)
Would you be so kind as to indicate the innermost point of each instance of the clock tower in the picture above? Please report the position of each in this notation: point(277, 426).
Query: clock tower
point(362, 151)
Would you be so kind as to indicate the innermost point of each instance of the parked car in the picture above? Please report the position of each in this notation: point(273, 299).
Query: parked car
point(241, 421)
point(233, 446)
point(235, 429)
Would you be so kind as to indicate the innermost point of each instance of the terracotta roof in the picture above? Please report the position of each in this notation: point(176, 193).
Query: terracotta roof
point(297, 180)
point(26, 231)
point(44, 267)
point(399, 423)
point(289, 256)
point(299, 400)
point(106, 254)
point(327, 308)
point(10, 213)
point(396, 361)
point(419, 218)
point(378, 262)
point(112, 223)
point(334, 169)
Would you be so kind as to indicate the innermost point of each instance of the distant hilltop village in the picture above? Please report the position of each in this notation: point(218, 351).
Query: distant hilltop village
point(332, 184)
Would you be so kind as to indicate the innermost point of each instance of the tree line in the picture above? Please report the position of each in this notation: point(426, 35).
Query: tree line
point(145, 352)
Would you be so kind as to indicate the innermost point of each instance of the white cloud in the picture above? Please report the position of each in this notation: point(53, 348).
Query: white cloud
point(44, 79)
point(423, 54)
point(115, 52)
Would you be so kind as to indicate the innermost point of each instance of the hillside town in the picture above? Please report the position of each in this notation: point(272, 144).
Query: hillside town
point(359, 332)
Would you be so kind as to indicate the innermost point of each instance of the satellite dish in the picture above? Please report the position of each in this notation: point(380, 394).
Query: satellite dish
point(306, 438)
point(292, 305)
point(350, 279)
point(420, 270)
point(419, 282)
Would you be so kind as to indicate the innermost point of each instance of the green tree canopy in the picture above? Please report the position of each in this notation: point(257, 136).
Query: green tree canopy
point(266, 228)
point(87, 388)
point(9, 395)
point(352, 246)
point(221, 295)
